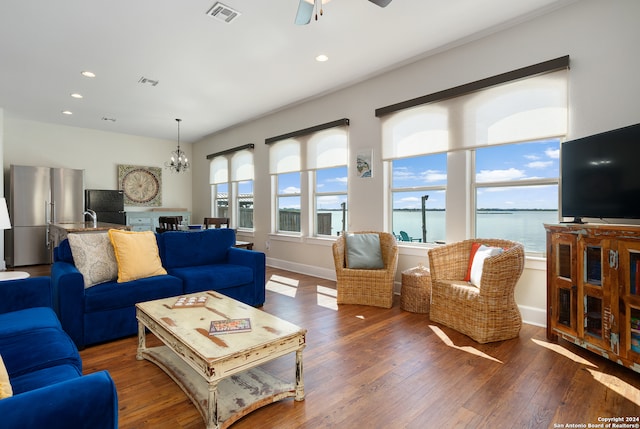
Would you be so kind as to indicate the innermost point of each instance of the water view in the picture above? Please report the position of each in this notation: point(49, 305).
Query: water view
point(524, 226)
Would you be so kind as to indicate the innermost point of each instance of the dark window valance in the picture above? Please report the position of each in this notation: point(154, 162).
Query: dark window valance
point(228, 151)
point(540, 68)
point(304, 132)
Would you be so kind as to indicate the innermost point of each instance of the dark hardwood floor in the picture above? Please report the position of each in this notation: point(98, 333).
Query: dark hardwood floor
point(370, 367)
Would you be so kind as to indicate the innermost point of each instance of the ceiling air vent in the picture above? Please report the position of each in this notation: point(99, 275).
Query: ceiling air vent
point(223, 13)
point(146, 81)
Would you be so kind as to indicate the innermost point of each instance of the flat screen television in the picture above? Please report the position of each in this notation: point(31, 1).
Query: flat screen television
point(600, 175)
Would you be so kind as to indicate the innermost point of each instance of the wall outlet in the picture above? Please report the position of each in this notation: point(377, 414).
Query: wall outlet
point(267, 245)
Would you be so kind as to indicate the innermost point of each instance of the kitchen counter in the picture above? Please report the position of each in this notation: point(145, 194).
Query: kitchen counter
point(87, 226)
point(59, 231)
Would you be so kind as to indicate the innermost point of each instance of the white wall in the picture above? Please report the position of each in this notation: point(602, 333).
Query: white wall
point(600, 37)
point(97, 152)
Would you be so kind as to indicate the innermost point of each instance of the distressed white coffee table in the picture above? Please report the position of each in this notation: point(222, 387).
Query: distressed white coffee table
point(220, 373)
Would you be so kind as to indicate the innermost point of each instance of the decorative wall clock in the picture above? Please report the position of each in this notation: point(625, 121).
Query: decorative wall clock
point(142, 186)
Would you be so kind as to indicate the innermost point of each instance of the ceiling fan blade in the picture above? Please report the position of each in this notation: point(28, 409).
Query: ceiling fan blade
point(305, 12)
point(381, 3)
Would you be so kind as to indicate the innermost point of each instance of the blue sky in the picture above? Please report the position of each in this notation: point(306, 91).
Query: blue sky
point(519, 162)
point(505, 163)
point(328, 180)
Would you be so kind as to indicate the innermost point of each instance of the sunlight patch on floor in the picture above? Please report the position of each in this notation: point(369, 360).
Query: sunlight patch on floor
point(285, 280)
point(326, 297)
point(611, 382)
point(622, 388)
point(468, 349)
point(283, 285)
point(564, 352)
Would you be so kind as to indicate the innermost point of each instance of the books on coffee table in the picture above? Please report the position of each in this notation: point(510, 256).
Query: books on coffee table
point(228, 326)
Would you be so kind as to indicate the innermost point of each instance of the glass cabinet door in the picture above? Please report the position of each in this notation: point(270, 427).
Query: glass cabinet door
point(629, 286)
point(563, 278)
point(594, 305)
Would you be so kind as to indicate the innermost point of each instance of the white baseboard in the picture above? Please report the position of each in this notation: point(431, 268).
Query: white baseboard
point(309, 270)
point(530, 315)
point(533, 316)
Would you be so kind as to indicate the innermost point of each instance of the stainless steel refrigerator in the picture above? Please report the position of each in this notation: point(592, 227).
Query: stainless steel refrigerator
point(39, 196)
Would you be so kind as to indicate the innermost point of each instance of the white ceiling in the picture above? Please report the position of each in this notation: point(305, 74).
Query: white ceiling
point(212, 74)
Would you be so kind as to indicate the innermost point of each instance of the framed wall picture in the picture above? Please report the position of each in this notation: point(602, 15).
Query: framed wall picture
point(142, 186)
point(363, 163)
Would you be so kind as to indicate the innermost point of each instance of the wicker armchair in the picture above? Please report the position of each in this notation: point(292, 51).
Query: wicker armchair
point(371, 286)
point(488, 313)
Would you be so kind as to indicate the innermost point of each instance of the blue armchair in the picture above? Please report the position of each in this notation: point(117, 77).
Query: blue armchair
point(44, 366)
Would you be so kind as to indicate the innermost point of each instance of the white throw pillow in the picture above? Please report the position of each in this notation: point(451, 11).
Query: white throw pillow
point(483, 253)
point(94, 257)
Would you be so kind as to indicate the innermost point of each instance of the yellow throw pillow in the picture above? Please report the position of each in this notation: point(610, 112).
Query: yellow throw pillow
point(137, 254)
point(5, 385)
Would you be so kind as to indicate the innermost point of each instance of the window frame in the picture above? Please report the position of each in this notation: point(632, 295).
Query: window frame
point(239, 198)
point(279, 195)
point(418, 189)
point(302, 145)
point(316, 194)
point(417, 127)
point(524, 183)
point(215, 206)
point(229, 170)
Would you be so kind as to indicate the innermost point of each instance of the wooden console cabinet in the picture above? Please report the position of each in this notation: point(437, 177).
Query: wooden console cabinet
point(593, 288)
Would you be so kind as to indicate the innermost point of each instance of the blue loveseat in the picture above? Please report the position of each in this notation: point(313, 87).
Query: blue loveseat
point(44, 367)
point(195, 261)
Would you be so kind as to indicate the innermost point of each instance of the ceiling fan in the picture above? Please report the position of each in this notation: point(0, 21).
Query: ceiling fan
point(306, 7)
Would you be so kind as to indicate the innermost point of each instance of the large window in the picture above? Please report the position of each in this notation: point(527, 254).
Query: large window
point(327, 164)
point(244, 202)
point(242, 187)
point(491, 147)
point(219, 180)
point(331, 200)
point(418, 197)
point(309, 176)
point(289, 203)
point(220, 205)
point(231, 179)
point(516, 191)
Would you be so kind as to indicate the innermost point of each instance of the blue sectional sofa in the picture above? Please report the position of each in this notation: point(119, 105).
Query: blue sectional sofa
point(44, 367)
point(195, 261)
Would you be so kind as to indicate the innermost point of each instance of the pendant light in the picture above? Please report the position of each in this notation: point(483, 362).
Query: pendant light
point(178, 162)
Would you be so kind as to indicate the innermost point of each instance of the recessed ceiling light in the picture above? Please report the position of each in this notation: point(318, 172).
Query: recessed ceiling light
point(322, 58)
point(87, 73)
point(67, 112)
point(76, 95)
